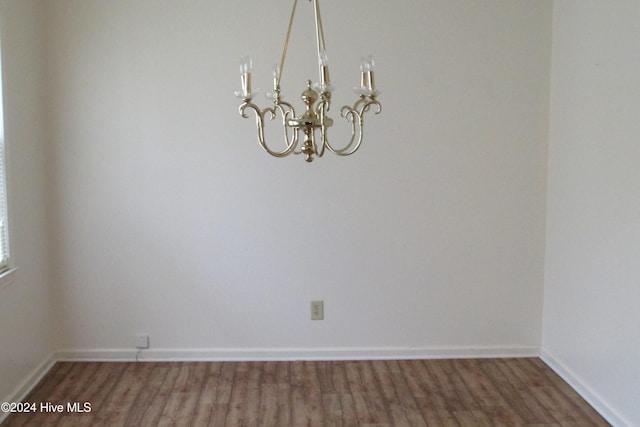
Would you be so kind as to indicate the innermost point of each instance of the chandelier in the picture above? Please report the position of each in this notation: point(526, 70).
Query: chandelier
point(314, 122)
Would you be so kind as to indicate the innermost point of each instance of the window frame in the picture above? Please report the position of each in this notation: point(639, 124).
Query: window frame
point(6, 266)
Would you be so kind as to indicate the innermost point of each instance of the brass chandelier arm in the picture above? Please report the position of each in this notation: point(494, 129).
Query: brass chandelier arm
point(288, 114)
point(354, 115)
point(290, 142)
point(323, 107)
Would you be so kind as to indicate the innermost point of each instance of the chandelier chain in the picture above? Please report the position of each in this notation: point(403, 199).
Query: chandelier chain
point(286, 41)
point(319, 29)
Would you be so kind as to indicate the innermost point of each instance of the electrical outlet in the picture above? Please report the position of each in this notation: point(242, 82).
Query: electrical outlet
point(317, 310)
point(142, 341)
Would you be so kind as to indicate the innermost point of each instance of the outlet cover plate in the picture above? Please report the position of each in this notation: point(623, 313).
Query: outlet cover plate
point(317, 310)
point(142, 341)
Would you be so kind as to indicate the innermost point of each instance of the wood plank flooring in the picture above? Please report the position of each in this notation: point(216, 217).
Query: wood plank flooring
point(467, 392)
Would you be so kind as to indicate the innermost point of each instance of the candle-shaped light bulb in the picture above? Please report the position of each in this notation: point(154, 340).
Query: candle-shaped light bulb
point(367, 65)
point(246, 64)
point(276, 75)
point(323, 62)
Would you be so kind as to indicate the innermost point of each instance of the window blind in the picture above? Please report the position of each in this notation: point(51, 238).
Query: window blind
point(4, 223)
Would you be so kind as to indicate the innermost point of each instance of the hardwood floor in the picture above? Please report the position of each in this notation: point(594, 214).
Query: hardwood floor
point(470, 392)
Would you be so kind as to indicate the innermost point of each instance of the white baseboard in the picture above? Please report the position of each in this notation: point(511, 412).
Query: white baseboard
point(233, 354)
point(29, 383)
point(580, 386)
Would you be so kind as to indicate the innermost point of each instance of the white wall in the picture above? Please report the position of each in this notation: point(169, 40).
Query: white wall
point(170, 220)
point(25, 305)
point(591, 316)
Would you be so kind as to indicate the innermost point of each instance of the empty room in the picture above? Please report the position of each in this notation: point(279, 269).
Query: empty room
point(320, 212)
